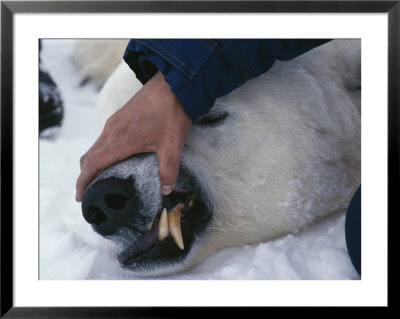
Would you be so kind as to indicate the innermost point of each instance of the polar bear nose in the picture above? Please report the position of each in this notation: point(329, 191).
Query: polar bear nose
point(109, 203)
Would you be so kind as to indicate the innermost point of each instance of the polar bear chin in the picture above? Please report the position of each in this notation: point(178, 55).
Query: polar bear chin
point(285, 154)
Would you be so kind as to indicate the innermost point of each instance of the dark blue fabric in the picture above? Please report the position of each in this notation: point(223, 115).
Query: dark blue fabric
point(353, 230)
point(199, 71)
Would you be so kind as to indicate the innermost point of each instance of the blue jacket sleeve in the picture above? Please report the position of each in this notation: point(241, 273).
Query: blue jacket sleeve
point(200, 71)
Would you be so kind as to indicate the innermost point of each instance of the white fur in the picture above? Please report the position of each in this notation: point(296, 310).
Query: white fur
point(97, 59)
point(287, 154)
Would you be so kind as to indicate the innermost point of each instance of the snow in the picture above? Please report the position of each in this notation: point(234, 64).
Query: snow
point(69, 249)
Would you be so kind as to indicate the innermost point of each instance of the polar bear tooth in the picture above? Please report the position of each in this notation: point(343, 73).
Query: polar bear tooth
point(174, 225)
point(163, 225)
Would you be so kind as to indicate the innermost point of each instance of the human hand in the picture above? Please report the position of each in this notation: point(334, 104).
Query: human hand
point(153, 120)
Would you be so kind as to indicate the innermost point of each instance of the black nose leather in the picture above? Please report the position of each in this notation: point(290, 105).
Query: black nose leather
point(109, 204)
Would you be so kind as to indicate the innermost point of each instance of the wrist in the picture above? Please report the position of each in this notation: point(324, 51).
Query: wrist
point(167, 98)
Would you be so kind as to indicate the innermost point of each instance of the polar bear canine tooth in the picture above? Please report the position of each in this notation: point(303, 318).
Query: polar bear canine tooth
point(163, 225)
point(174, 225)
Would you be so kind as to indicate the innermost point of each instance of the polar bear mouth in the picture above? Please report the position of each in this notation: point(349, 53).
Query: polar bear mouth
point(164, 233)
point(170, 235)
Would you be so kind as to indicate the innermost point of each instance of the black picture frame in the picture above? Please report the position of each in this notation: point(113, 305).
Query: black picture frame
point(9, 8)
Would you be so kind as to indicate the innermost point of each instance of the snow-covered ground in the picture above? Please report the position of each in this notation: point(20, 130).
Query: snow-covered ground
point(69, 249)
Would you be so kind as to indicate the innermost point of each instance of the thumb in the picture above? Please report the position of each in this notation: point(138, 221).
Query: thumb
point(169, 159)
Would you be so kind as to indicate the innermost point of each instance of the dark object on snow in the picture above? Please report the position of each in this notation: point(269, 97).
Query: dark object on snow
point(353, 230)
point(51, 109)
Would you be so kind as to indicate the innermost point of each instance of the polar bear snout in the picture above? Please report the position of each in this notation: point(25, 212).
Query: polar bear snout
point(109, 204)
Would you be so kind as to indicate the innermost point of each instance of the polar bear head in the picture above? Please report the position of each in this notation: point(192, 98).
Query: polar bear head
point(270, 158)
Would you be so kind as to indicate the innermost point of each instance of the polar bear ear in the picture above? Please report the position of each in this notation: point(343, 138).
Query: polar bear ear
point(212, 118)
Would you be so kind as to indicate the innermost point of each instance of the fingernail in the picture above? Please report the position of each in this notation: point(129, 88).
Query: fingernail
point(77, 198)
point(166, 189)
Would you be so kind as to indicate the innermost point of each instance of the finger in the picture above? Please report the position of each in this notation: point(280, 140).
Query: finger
point(94, 163)
point(109, 130)
point(100, 142)
point(88, 173)
point(169, 161)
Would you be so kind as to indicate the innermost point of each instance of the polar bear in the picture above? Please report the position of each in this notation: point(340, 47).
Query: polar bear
point(269, 159)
